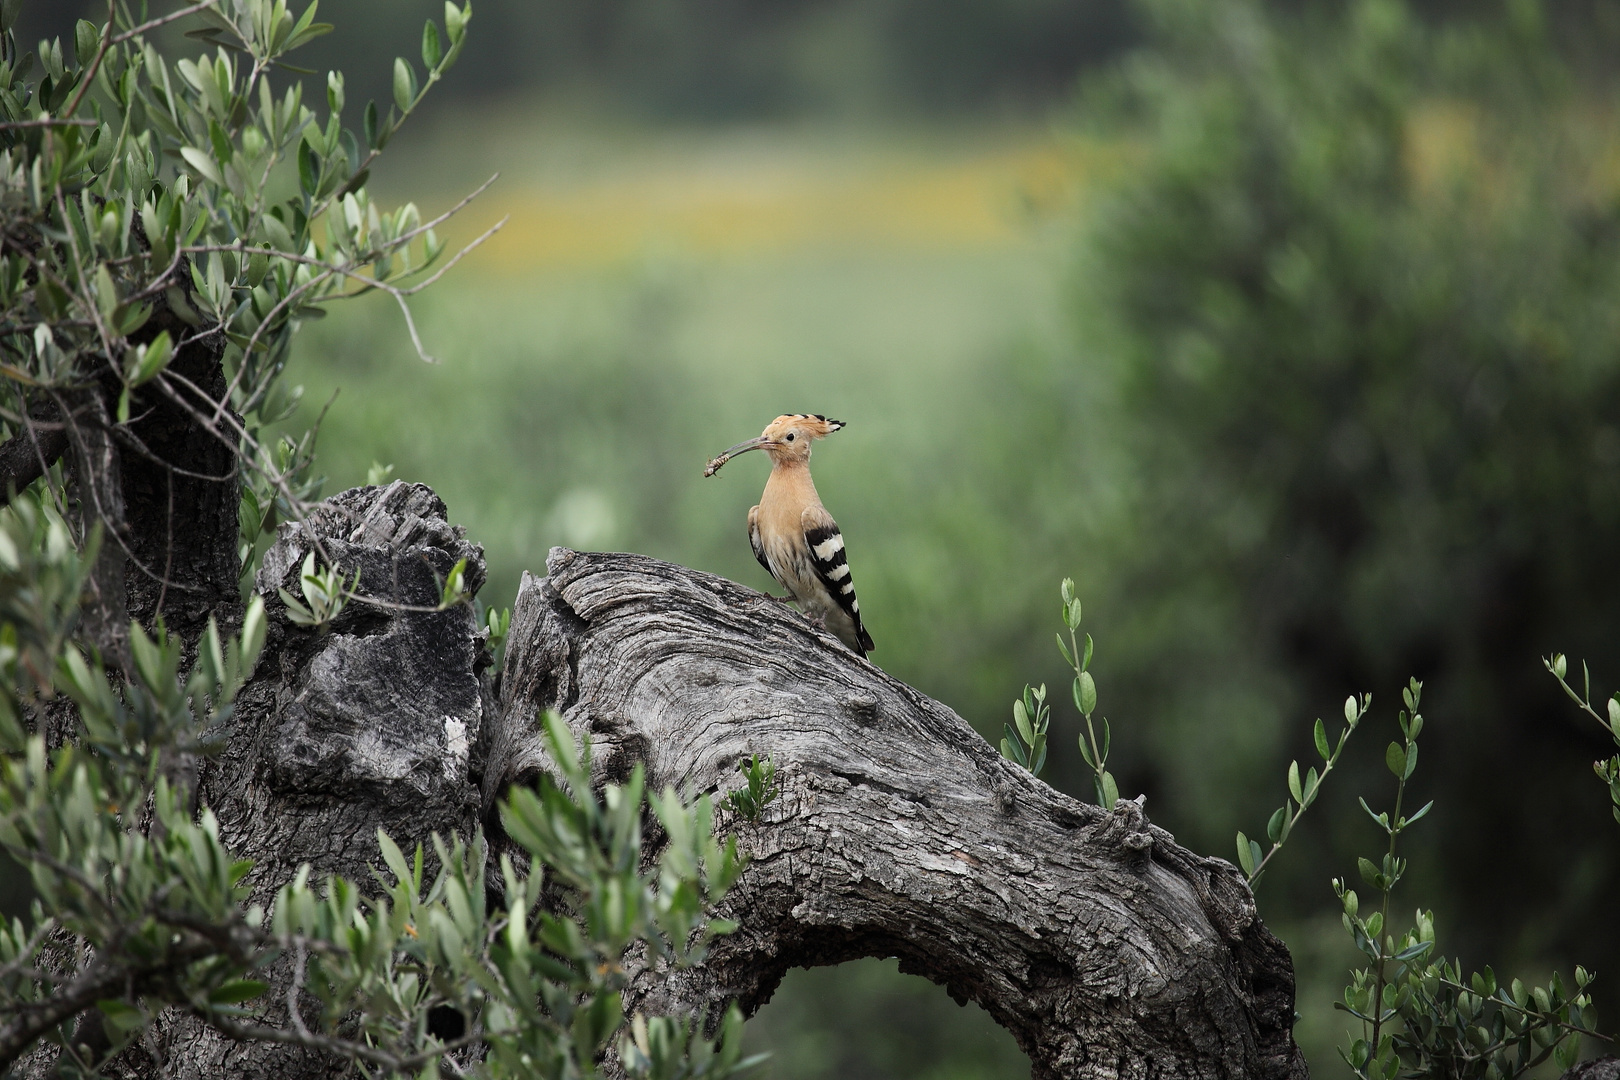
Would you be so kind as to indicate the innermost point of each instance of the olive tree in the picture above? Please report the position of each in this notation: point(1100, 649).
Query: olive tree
point(167, 225)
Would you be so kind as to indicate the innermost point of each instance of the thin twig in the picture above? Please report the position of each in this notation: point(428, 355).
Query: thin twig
point(277, 480)
point(399, 294)
point(89, 75)
point(403, 238)
point(47, 121)
point(158, 282)
point(450, 213)
point(123, 434)
point(408, 609)
point(153, 24)
point(168, 547)
point(44, 466)
point(485, 235)
point(85, 991)
point(355, 1050)
point(113, 527)
point(35, 940)
point(1522, 1011)
point(328, 271)
point(375, 152)
point(295, 986)
point(78, 261)
point(253, 342)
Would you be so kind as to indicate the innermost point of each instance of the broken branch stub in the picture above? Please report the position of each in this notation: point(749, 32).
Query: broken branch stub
point(371, 722)
point(1104, 947)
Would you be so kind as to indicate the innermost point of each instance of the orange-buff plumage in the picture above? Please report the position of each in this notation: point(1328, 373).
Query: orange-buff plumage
point(794, 537)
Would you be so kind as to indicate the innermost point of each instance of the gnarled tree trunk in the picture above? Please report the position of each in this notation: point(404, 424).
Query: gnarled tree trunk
point(375, 721)
point(1106, 948)
point(163, 488)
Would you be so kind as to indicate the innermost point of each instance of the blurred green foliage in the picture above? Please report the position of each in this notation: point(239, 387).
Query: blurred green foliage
point(866, 1021)
point(1362, 293)
point(729, 58)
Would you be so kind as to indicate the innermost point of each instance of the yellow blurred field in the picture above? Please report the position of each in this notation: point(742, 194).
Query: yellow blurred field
point(578, 197)
point(770, 207)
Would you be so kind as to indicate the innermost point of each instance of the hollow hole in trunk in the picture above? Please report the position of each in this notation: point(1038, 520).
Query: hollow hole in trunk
point(864, 1020)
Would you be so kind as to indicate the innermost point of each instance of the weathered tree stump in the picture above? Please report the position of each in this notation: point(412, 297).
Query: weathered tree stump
point(1106, 948)
point(375, 721)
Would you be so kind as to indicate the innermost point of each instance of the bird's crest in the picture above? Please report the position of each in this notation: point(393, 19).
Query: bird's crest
point(813, 424)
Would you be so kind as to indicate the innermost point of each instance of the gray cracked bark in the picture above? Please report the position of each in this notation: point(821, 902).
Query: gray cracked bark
point(1107, 949)
point(1601, 1069)
point(164, 488)
point(374, 722)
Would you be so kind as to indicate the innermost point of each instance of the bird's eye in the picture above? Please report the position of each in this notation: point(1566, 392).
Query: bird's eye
point(790, 436)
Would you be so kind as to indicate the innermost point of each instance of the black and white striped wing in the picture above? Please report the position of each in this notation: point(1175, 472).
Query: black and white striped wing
point(756, 543)
point(831, 564)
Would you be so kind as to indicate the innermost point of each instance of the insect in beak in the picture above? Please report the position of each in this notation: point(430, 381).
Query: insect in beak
point(715, 463)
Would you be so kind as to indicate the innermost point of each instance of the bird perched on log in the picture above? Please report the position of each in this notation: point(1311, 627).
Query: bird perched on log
point(794, 538)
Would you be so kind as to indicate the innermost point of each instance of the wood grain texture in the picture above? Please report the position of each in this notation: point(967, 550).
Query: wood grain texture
point(373, 721)
point(1107, 949)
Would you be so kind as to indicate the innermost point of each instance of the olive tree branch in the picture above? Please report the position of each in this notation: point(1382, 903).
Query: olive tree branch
point(47, 121)
point(162, 20)
point(89, 74)
point(246, 1032)
point(367, 282)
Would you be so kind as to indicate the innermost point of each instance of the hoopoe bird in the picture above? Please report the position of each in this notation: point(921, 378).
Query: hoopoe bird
point(794, 538)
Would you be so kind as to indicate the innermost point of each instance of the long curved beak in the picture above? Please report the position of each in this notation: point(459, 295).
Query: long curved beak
point(744, 447)
point(741, 448)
